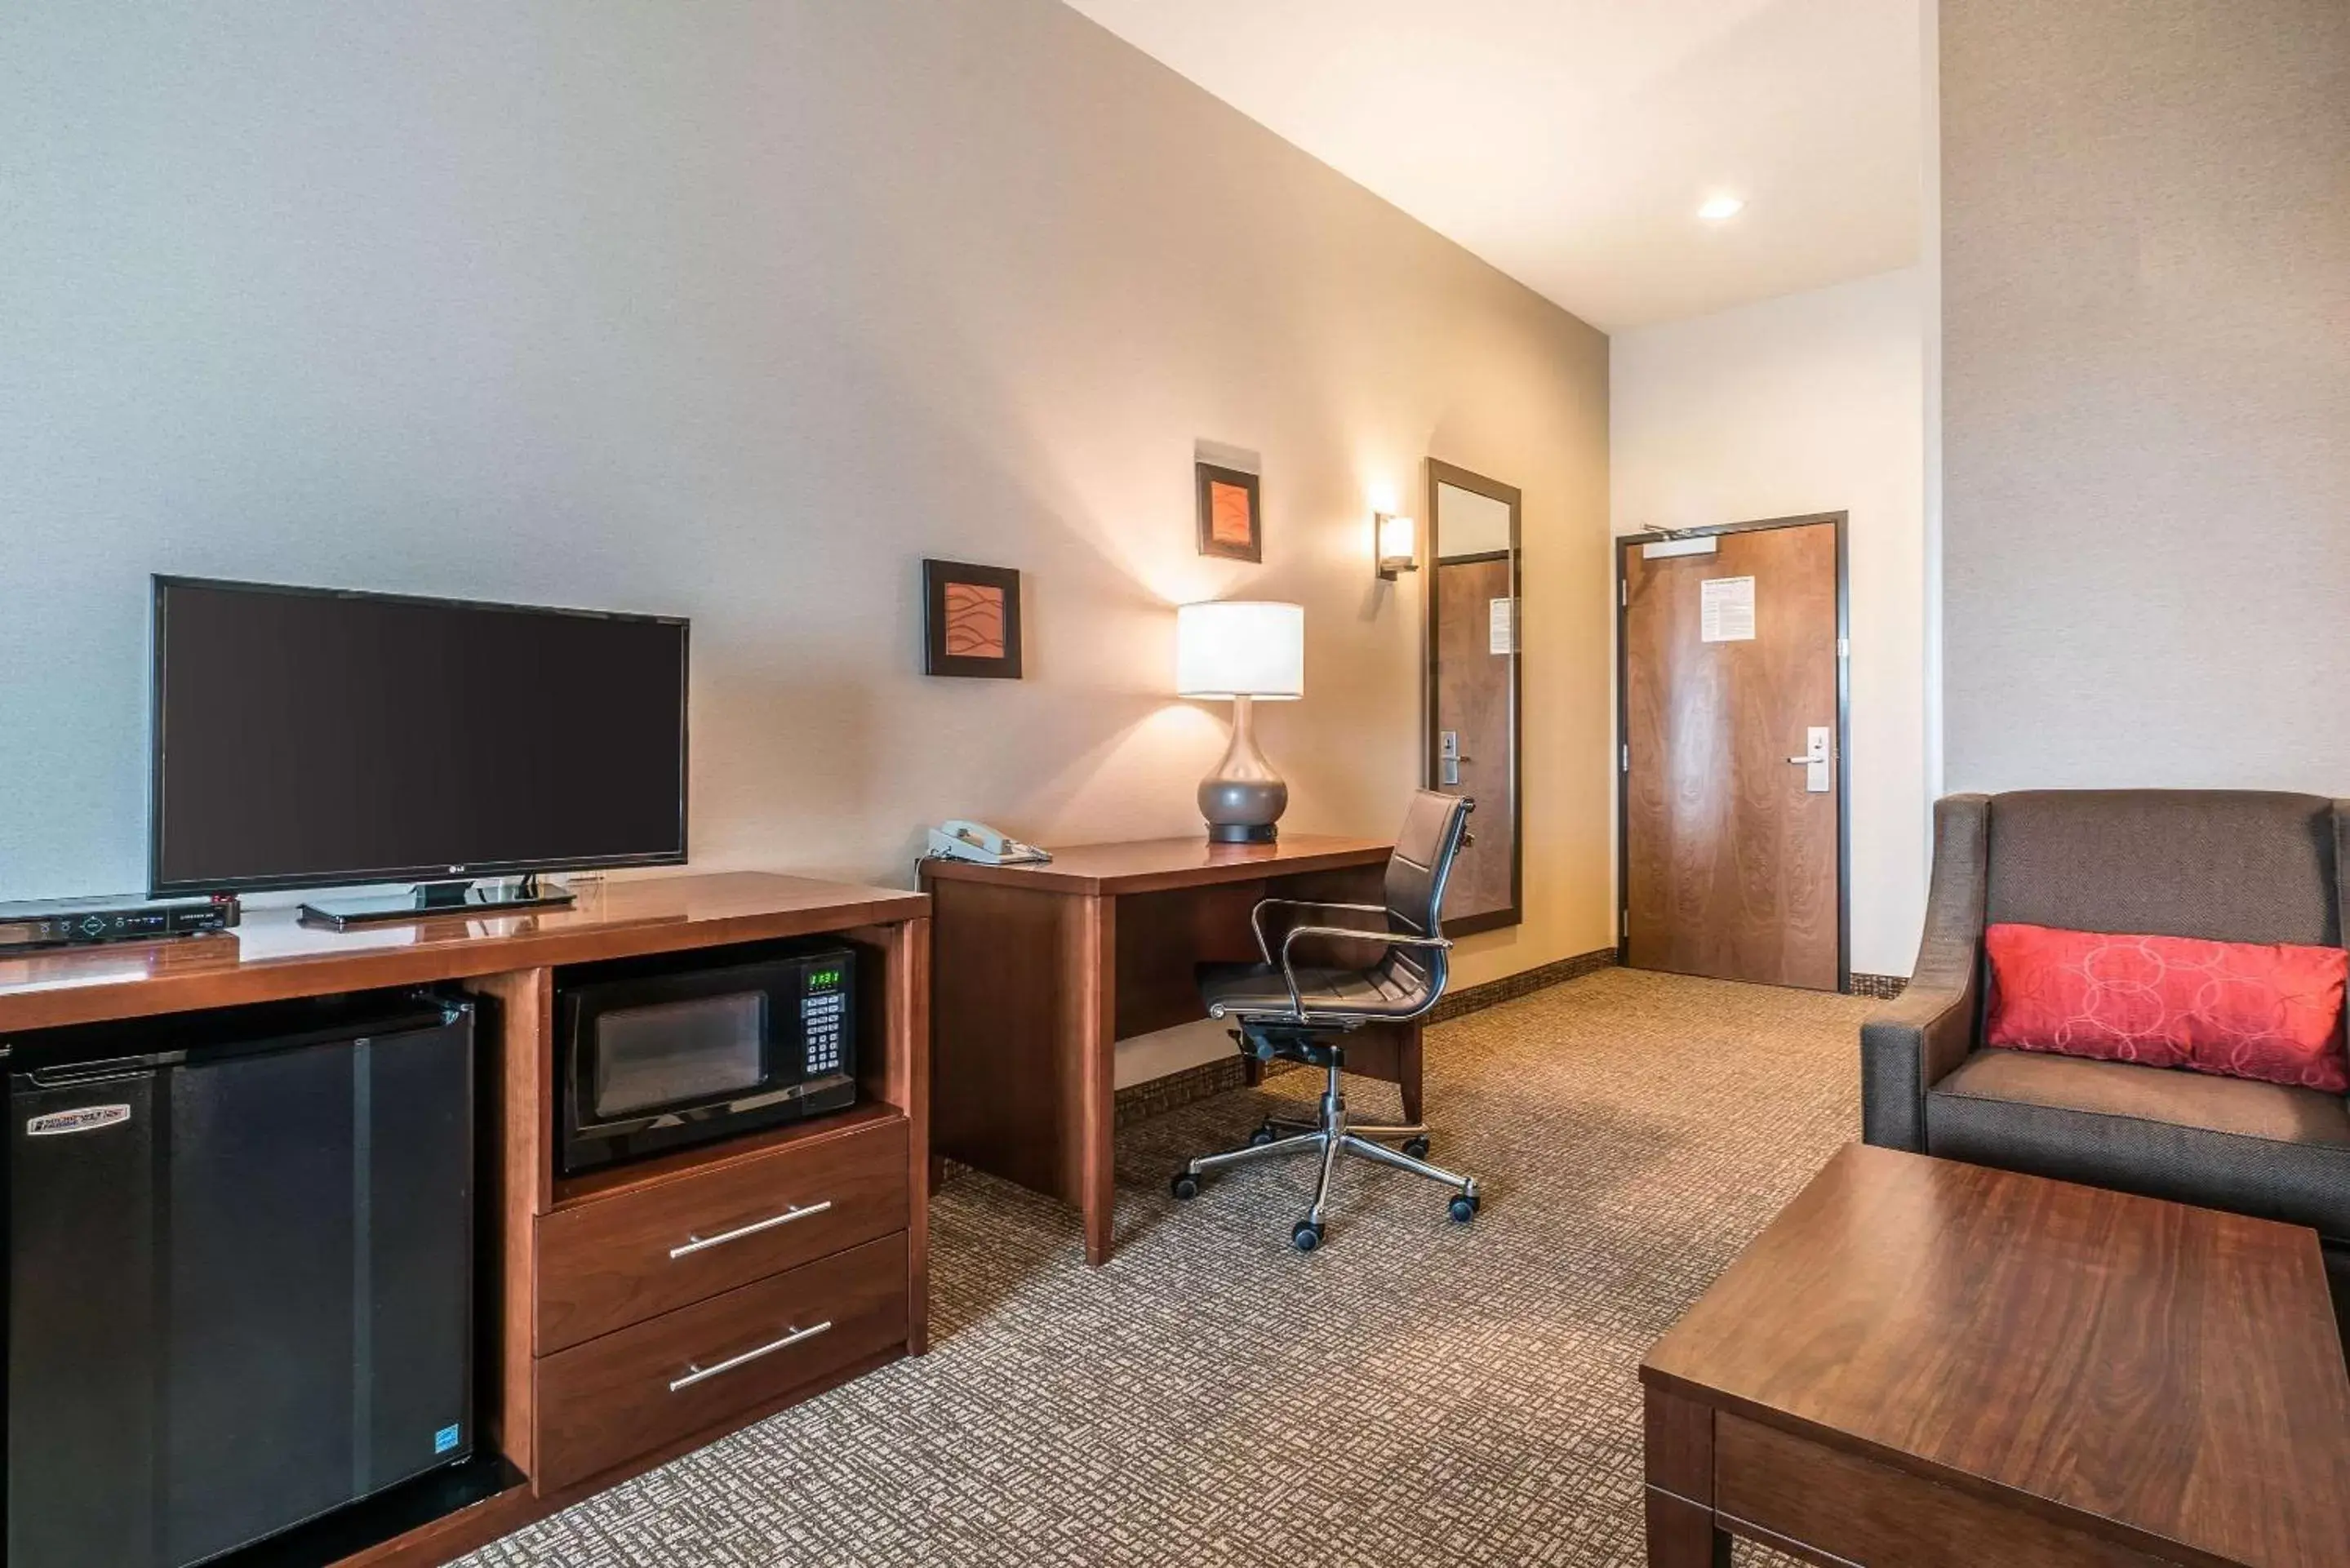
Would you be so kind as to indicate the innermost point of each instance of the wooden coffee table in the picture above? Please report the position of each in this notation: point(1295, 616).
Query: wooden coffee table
point(1941, 1365)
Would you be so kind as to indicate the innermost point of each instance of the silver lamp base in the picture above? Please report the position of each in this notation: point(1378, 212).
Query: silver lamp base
point(1243, 798)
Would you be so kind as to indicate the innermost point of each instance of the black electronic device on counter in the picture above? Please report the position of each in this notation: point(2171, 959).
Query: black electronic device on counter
point(316, 738)
point(654, 1054)
point(123, 918)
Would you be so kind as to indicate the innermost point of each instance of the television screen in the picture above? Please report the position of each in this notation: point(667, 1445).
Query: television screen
point(307, 737)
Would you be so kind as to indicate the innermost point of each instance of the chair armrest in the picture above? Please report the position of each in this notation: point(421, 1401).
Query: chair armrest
point(1289, 971)
point(1256, 916)
point(1909, 1044)
point(1907, 1047)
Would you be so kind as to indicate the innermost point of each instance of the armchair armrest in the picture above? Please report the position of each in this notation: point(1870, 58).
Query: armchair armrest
point(1256, 918)
point(1393, 939)
point(1907, 1045)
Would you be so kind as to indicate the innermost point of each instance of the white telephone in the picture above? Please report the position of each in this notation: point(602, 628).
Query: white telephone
point(961, 840)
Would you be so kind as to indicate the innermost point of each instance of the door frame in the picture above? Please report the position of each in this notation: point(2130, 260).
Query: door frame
point(1440, 473)
point(1624, 541)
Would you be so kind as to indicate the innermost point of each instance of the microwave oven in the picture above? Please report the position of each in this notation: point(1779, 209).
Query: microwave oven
point(655, 1055)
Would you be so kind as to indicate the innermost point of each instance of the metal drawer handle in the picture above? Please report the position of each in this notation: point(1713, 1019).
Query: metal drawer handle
point(693, 1244)
point(694, 1375)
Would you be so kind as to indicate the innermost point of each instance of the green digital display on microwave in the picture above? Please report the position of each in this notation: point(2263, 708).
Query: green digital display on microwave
point(819, 979)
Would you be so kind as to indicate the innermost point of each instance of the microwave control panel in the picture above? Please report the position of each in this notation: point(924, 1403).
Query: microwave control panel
point(823, 1016)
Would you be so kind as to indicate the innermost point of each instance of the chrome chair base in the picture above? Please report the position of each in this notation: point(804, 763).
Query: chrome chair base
point(1329, 1137)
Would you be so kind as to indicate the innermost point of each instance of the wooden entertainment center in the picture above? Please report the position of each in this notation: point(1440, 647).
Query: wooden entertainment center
point(615, 1337)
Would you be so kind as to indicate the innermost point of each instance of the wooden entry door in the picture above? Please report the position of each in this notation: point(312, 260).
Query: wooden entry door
point(1733, 754)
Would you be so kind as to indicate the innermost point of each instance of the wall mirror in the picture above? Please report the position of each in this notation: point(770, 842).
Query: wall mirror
point(1473, 687)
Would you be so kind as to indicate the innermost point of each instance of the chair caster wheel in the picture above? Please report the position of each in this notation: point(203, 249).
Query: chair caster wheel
point(1185, 1185)
point(1306, 1236)
point(1262, 1137)
point(1464, 1209)
point(1415, 1147)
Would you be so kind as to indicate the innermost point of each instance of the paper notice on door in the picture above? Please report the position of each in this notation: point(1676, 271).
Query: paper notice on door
point(1502, 626)
point(1726, 608)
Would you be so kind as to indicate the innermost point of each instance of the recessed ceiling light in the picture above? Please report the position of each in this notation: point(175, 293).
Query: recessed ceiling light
point(1721, 209)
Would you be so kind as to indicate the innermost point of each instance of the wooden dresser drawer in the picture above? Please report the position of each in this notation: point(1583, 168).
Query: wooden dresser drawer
point(615, 1260)
point(612, 1399)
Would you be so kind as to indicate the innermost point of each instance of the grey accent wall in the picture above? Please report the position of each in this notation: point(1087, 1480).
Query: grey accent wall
point(737, 309)
point(2146, 253)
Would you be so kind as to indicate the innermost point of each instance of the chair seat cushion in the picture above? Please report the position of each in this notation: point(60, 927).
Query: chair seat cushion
point(2266, 1149)
point(1258, 991)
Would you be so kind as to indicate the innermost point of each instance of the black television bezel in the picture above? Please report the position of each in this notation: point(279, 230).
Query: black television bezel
point(161, 583)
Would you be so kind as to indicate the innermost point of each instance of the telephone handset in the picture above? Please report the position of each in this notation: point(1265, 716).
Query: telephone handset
point(961, 840)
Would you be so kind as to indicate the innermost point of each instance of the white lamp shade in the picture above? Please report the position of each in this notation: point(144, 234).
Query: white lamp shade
point(1240, 648)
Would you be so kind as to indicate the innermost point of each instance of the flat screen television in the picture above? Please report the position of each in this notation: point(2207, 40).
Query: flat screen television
point(310, 737)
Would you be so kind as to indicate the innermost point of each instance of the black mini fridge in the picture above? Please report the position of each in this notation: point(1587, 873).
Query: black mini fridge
point(239, 1274)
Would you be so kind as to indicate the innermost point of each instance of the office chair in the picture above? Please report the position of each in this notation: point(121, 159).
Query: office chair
point(1303, 1014)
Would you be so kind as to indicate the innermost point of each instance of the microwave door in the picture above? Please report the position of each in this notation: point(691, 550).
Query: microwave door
point(658, 1059)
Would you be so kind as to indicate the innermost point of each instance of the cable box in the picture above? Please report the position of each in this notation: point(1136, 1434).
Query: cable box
point(75, 922)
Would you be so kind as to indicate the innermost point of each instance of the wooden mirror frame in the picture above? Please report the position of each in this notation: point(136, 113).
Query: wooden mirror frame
point(1442, 473)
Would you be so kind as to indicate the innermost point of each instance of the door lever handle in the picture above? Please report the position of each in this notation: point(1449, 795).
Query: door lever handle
point(1816, 760)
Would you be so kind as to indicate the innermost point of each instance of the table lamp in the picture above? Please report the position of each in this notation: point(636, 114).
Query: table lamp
point(1248, 650)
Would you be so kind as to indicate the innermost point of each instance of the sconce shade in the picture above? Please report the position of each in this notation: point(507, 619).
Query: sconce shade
point(1240, 648)
point(1398, 545)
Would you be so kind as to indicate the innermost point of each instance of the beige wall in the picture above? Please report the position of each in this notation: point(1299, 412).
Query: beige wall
point(738, 310)
point(1811, 402)
point(2146, 284)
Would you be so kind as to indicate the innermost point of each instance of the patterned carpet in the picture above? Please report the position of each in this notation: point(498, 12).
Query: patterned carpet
point(1415, 1394)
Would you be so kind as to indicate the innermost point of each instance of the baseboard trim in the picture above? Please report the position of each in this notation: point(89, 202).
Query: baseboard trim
point(1884, 987)
point(1525, 982)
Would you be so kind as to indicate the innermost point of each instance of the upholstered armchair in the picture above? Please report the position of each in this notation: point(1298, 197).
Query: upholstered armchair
point(2229, 866)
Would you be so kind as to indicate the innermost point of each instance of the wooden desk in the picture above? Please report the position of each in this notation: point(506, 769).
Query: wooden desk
point(1041, 970)
point(1943, 1364)
point(587, 1315)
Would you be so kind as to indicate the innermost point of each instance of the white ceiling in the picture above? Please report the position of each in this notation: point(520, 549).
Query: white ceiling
point(1569, 141)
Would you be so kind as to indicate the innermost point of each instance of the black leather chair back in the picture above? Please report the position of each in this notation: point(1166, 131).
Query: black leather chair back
point(1433, 828)
point(1403, 982)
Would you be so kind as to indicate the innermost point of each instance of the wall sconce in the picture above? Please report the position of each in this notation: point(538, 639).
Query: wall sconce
point(1398, 545)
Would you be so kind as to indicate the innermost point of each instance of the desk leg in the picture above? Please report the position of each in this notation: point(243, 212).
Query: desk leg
point(1389, 1052)
point(1093, 1020)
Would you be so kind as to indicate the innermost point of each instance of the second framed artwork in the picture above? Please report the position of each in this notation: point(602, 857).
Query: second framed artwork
point(1231, 524)
point(971, 621)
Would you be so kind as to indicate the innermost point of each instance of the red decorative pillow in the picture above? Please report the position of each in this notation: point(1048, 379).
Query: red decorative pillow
point(2238, 1009)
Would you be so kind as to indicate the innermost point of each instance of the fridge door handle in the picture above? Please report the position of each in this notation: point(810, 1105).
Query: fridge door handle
point(74, 1074)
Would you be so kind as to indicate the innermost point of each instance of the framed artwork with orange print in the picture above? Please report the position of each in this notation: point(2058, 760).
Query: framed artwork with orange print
point(971, 621)
point(1230, 523)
